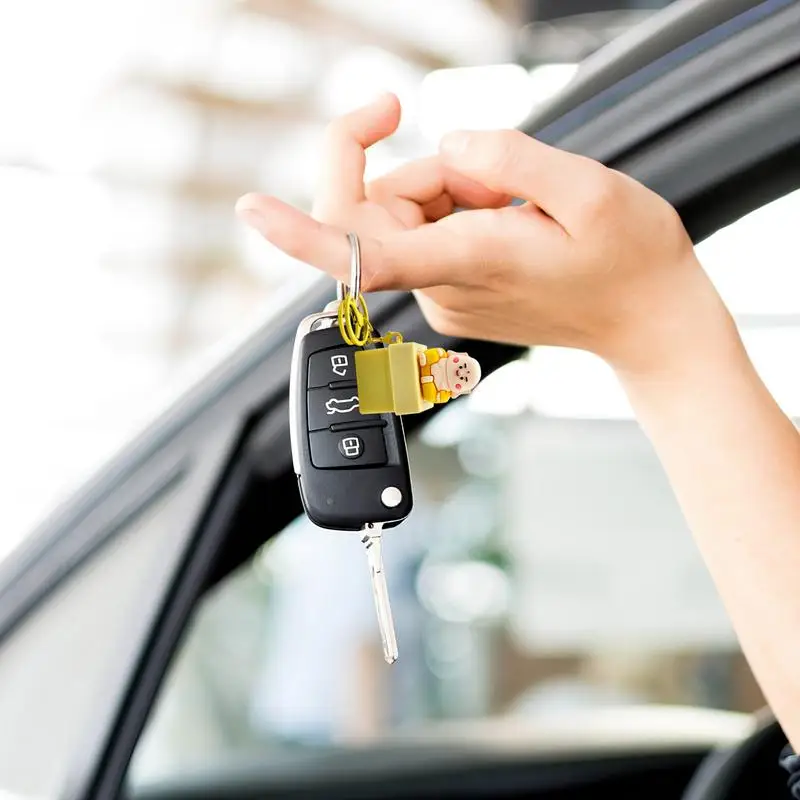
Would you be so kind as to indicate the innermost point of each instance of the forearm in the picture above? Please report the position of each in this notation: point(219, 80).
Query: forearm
point(733, 459)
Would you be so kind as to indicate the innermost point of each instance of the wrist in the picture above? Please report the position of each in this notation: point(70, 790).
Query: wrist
point(680, 332)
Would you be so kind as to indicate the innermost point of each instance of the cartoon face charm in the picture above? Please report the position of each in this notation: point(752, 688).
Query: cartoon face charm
point(445, 374)
point(462, 373)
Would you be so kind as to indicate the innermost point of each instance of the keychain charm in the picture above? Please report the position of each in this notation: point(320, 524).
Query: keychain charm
point(406, 377)
point(401, 377)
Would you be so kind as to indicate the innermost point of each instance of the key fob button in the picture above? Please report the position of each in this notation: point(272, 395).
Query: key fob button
point(328, 407)
point(364, 447)
point(391, 497)
point(329, 366)
point(351, 446)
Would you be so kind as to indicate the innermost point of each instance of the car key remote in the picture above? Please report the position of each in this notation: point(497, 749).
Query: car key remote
point(352, 468)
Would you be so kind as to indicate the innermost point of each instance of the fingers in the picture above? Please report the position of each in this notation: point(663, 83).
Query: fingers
point(343, 157)
point(425, 180)
point(439, 208)
point(417, 258)
point(510, 161)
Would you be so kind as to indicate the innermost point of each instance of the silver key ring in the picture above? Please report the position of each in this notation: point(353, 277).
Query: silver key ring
point(354, 289)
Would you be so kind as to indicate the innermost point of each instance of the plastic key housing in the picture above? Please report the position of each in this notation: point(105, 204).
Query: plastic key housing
point(352, 468)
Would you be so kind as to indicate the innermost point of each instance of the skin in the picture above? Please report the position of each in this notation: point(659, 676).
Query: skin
point(596, 261)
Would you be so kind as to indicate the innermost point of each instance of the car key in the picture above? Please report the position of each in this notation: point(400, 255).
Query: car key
point(352, 468)
point(380, 591)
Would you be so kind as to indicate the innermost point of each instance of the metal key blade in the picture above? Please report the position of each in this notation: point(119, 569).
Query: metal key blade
point(380, 591)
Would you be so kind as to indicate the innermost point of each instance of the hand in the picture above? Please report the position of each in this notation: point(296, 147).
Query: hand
point(591, 259)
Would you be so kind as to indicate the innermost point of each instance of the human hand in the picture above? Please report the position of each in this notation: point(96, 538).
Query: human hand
point(592, 259)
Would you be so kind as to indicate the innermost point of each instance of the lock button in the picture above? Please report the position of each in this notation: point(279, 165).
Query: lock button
point(364, 447)
point(331, 366)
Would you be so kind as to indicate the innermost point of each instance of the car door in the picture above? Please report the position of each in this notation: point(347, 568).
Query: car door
point(702, 106)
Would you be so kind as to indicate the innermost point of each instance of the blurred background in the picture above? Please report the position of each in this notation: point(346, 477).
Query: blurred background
point(546, 567)
point(129, 130)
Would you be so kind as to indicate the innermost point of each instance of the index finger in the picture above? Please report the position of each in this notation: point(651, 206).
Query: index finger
point(411, 259)
point(344, 152)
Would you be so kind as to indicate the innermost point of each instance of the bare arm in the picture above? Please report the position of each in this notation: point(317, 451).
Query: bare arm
point(733, 459)
point(596, 261)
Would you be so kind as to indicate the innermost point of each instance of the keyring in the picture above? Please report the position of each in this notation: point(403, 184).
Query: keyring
point(354, 289)
point(353, 316)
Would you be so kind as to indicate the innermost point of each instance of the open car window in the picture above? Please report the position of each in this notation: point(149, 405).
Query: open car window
point(545, 572)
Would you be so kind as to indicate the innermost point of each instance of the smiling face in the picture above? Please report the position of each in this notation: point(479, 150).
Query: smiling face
point(463, 373)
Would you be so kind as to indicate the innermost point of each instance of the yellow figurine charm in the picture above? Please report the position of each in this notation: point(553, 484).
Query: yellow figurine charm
point(400, 377)
point(406, 377)
point(445, 374)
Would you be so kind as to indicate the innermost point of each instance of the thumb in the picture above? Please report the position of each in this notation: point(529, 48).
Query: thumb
point(514, 163)
point(413, 259)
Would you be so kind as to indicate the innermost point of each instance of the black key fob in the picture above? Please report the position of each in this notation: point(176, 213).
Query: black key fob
point(352, 468)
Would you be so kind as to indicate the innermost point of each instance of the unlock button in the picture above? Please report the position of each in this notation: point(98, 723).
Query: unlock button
point(336, 449)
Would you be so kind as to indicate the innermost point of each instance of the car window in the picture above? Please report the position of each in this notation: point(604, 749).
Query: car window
point(60, 668)
point(546, 569)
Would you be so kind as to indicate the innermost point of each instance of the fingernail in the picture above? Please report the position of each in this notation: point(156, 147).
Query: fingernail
point(251, 217)
point(453, 144)
point(247, 212)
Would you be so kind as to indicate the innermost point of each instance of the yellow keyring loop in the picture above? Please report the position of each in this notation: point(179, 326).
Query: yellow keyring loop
point(353, 315)
point(353, 320)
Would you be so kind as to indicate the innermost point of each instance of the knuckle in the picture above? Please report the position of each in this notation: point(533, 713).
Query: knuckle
point(338, 128)
point(601, 194)
point(499, 150)
point(671, 218)
point(672, 228)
